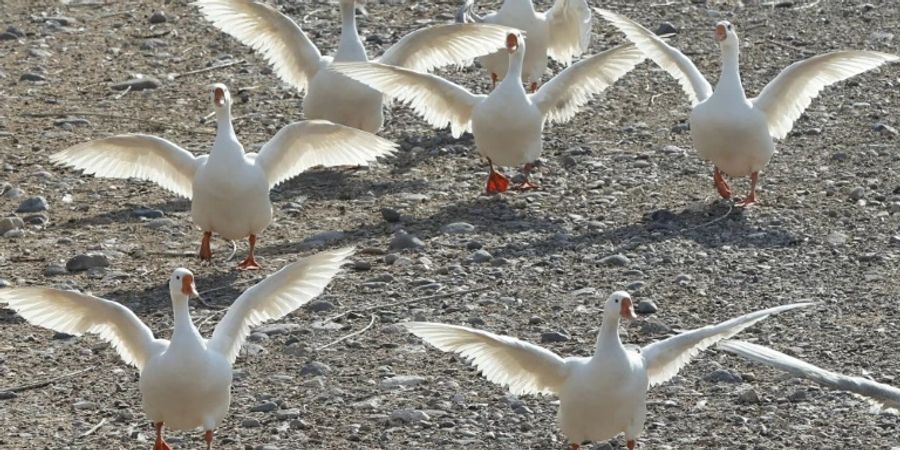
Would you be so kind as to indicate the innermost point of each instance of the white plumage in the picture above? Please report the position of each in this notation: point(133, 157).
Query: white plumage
point(507, 123)
point(881, 396)
point(733, 132)
point(229, 189)
point(185, 383)
point(562, 33)
point(297, 61)
point(600, 396)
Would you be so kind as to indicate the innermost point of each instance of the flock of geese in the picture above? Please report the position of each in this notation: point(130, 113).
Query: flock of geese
point(185, 382)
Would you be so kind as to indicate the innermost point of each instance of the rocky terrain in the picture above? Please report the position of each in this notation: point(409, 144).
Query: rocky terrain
point(625, 204)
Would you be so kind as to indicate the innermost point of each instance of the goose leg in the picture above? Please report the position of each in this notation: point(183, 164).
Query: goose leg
point(527, 185)
point(208, 437)
point(250, 263)
point(534, 87)
point(630, 444)
point(205, 251)
point(721, 184)
point(751, 197)
point(497, 182)
point(160, 443)
point(494, 79)
point(575, 446)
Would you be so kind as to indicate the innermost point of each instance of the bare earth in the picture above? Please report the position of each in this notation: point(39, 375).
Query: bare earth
point(616, 180)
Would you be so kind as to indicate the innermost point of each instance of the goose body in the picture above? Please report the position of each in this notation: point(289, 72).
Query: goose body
point(297, 61)
point(507, 123)
point(185, 382)
point(563, 33)
point(601, 396)
point(732, 131)
point(229, 188)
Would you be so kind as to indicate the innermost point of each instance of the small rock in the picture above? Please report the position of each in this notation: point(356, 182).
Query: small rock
point(473, 245)
point(87, 261)
point(655, 327)
point(84, 405)
point(6, 395)
point(137, 84)
point(837, 238)
point(646, 307)
point(147, 213)
point(265, 407)
point(320, 305)
point(458, 228)
point(55, 269)
point(250, 423)
point(162, 222)
point(615, 260)
point(315, 369)
point(749, 397)
point(481, 256)
point(475, 321)
point(158, 17)
point(552, 337)
point(797, 396)
point(362, 265)
point(13, 193)
point(37, 219)
point(723, 376)
point(666, 28)
point(683, 279)
point(405, 241)
point(4, 283)
point(32, 76)
point(403, 381)
point(857, 193)
point(7, 36)
point(390, 215)
point(33, 205)
point(885, 129)
point(274, 329)
point(287, 414)
point(10, 223)
point(408, 416)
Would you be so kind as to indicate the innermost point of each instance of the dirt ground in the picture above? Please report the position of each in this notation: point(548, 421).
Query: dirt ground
point(621, 178)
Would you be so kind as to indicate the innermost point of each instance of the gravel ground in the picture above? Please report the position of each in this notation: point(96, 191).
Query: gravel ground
point(620, 179)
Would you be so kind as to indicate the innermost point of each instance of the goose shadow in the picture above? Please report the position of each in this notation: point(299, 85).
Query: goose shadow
point(341, 184)
point(126, 213)
point(712, 226)
point(218, 290)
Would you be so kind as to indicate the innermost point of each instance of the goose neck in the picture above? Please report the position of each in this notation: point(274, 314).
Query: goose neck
point(608, 336)
point(730, 79)
point(184, 326)
point(350, 48)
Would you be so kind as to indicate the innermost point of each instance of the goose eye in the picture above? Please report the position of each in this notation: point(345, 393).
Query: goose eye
point(178, 277)
point(617, 300)
point(729, 27)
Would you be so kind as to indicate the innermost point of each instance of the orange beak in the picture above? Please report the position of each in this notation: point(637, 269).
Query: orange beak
point(720, 33)
point(219, 96)
point(627, 309)
point(512, 43)
point(187, 286)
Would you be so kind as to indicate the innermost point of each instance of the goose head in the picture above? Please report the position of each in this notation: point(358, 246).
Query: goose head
point(726, 34)
point(221, 98)
point(515, 43)
point(181, 285)
point(619, 306)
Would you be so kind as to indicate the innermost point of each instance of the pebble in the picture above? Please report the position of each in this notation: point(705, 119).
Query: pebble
point(158, 17)
point(315, 368)
point(87, 261)
point(749, 397)
point(552, 337)
point(6, 395)
point(403, 381)
point(646, 307)
point(615, 260)
point(723, 376)
point(33, 205)
point(7, 36)
point(405, 241)
point(474, 245)
point(666, 28)
point(408, 416)
point(857, 193)
point(837, 238)
point(147, 213)
point(390, 215)
point(265, 407)
point(84, 405)
point(362, 265)
point(481, 256)
point(320, 305)
point(13, 193)
point(274, 329)
point(683, 279)
point(4, 283)
point(162, 222)
point(458, 228)
point(137, 84)
point(10, 223)
point(55, 269)
point(287, 414)
point(250, 423)
point(32, 76)
point(655, 327)
point(885, 129)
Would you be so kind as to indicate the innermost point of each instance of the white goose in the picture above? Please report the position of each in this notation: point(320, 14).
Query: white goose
point(185, 383)
point(507, 123)
point(733, 132)
point(229, 189)
point(298, 62)
point(881, 396)
point(563, 33)
point(600, 396)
